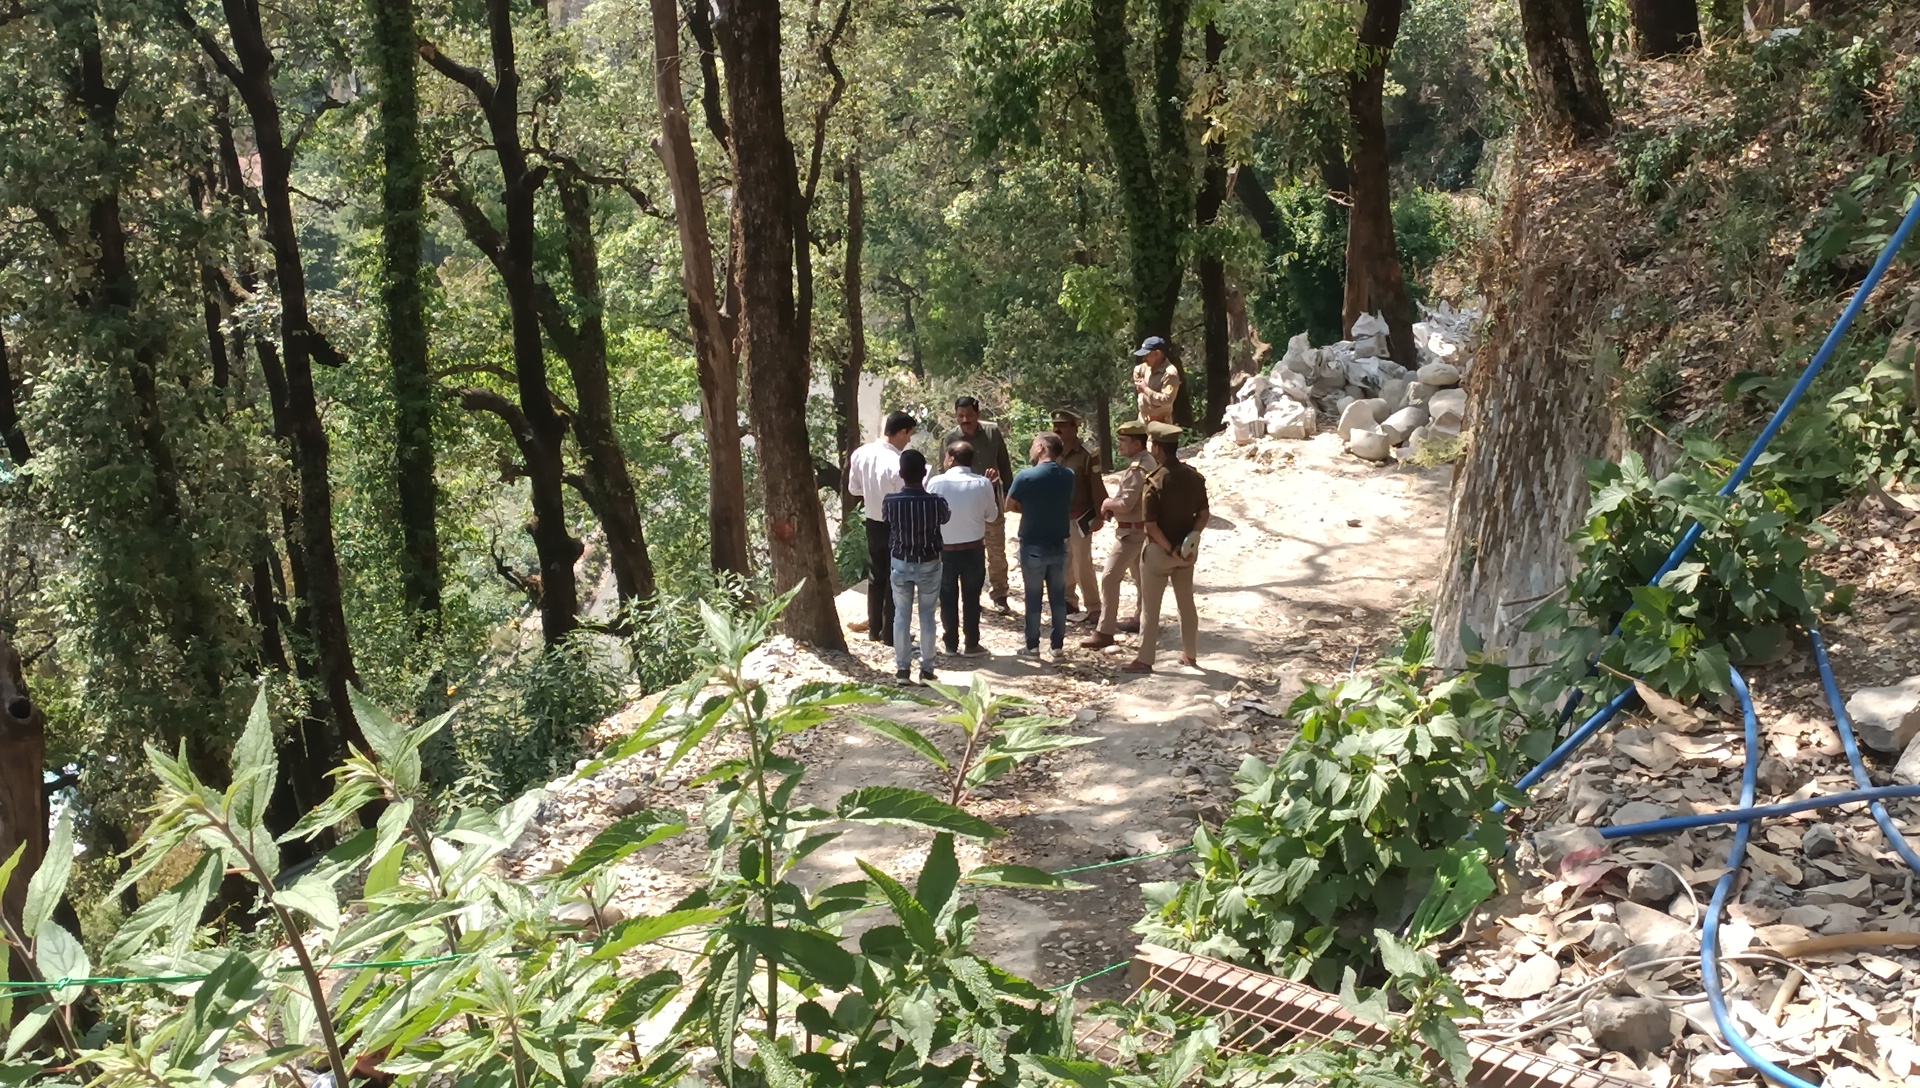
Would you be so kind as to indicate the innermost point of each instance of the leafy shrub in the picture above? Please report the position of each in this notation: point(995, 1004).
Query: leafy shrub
point(1427, 229)
point(1389, 775)
point(850, 551)
point(1841, 89)
point(1728, 601)
point(406, 948)
point(526, 721)
point(1656, 161)
point(1906, 99)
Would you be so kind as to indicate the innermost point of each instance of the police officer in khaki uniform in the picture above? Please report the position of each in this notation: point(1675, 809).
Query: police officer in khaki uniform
point(1175, 507)
point(1130, 524)
point(1089, 494)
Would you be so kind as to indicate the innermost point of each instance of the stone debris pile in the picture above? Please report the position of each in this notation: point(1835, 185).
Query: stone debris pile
point(1381, 409)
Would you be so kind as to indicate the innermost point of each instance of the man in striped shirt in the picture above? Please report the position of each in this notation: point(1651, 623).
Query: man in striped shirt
point(913, 518)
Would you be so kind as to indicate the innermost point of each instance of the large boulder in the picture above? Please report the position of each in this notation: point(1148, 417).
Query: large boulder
point(1439, 375)
point(1404, 422)
point(1357, 414)
point(1394, 392)
point(1418, 392)
point(1448, 406)
point(1370, 443)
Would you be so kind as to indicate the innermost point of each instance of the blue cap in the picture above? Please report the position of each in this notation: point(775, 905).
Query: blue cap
point(1150, 345)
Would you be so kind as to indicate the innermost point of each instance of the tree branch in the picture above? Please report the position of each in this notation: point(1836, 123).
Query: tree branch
point(313, 121)
point(471, 78)
point(474, 222)
point(577, 170)
point(211, 47)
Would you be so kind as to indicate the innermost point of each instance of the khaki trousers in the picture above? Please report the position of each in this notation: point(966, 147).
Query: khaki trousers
point(1083, 581)
point(1157, 570)
point(997, 559)
point(1124, 559)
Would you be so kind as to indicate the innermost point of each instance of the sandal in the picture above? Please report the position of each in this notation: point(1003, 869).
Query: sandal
point(1136, 667)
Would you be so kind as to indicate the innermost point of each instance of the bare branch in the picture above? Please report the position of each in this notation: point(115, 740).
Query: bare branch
point(471, 78)
point(210, 45)
point(474, 222)
point(307, 126)
point(489, 369)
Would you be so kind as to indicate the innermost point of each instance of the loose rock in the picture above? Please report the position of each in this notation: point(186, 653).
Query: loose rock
point(1631, 1025)
point(1652, 885)
point(1887, 719)
point(1439, 375)
point(1820, 841)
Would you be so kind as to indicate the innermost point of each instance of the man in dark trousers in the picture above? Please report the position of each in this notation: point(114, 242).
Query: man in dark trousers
point(990, 459)
point(1175, 505)
point(974, 504)
point(1042, 495)
point(1089, 495)
point(914, 517)
point(873, 473)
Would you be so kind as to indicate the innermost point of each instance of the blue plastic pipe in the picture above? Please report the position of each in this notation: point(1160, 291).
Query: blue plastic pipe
point(1688, 539)
point(1710, 934)
point(1746, 814)
point(1847, 741)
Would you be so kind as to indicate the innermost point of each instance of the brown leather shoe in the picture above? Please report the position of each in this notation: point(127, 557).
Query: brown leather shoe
point(1096, 641)
point(1093, 618)
point(1136, 666)
point(1131, 625)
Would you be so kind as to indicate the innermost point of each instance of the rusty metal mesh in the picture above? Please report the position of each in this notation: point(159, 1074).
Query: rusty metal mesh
point(1259, 1014)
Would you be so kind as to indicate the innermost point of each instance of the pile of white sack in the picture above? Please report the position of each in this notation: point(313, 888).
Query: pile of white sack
point(1384, 410)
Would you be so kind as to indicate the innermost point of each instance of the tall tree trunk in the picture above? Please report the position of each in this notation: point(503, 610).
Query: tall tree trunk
point(1153, 230)
point(1828, 9)
point(23, 760)
point(250, 71)
point(1565, 76)
point(1212, 266)
point(18, 451)
point(609, 486)
point(846, 381)
point(1374, 278)
point(403, 294)
point(712, 339)
point(1665, 28)
point(537, 426)
point(765, 190)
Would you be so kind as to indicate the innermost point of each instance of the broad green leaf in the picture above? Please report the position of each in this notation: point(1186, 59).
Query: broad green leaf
point(776, 1066)
point(1022, 876)
point(346, 799)
point(635, 932)
point(1082, 1074)
point(913, 916)
point(907, 736)
point(177, 910)
point(254, 767)
point(378, 926)
point(818, 957)
point(59, 956)
point(916, 1019)
point(222, 1002)
point(28, 1027)
point(939, 875)
point(314, 898)
point(910, 808)
point(624, 837)
point(49, 881)
point(641, 999)
point(392, 746)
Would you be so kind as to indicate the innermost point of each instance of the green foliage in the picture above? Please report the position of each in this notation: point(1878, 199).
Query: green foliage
point(1656, 160)
point(1349, 830)
point(999, 732)
point(1306, 279)
point(525, 720)
point(1841, 88)
point(1906, 97)
point(850, 549)
point(1428, 228)
point(1844, 237)
point(462, 976)
point(1729, 601)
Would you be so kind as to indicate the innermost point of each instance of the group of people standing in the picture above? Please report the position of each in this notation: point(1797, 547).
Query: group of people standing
point(940, 537)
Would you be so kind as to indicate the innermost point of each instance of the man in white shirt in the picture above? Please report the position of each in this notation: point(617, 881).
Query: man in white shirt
point(873, 473)
point(963, 564)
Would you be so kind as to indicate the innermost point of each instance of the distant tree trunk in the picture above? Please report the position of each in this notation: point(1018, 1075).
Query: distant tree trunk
point(765, 191)
point(538, 428)
point(402, 208)
point(23, 760)
point(608, 485)
point(846, 381)
point(1565, 75)
point(1212, 266)
point(1155, 223)
point(18, 451)
point(1374, 278)
point(251, 72)
point(712, 339)
point(1103, 428)
point(1665, 28)
point(1828, 9)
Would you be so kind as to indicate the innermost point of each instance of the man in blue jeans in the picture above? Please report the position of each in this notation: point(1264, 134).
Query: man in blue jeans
point(913, 518)
point(1042, 496)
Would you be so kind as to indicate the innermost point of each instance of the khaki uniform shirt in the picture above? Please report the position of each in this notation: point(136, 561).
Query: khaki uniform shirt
point(1133, 485)
point(1174, 496)
point(1089, 490)
point(1163, 386)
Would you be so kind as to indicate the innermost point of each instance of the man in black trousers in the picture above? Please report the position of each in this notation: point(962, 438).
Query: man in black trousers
point(873, 473)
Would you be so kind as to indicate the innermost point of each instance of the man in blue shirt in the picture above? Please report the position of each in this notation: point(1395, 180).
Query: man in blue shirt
point(1043, 496)
point(913, 519)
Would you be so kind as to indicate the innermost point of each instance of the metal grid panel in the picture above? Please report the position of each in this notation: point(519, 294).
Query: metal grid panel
point(1260, 1013)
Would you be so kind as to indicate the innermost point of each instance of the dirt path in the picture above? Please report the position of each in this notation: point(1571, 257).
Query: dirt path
point(1311, 558)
